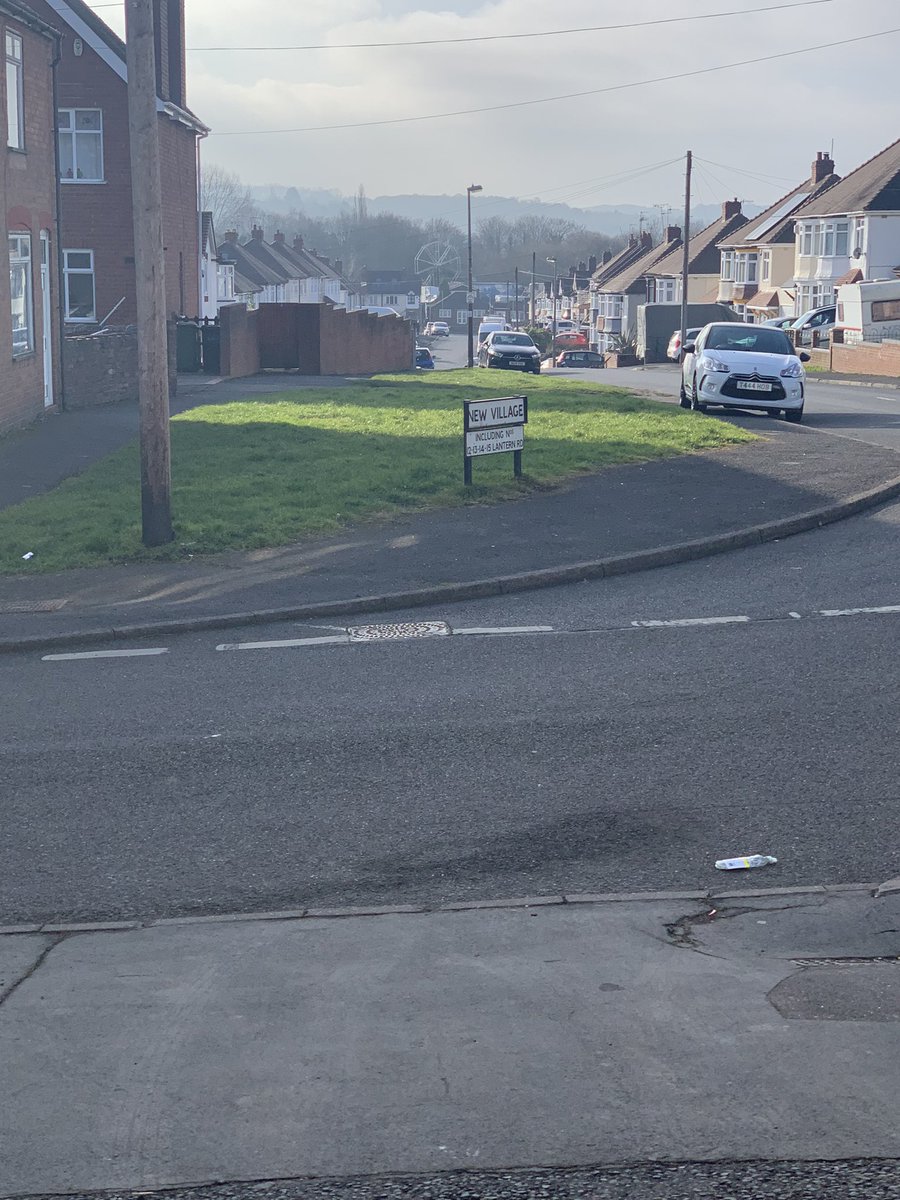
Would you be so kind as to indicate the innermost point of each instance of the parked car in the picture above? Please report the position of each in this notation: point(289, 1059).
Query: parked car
point(570, 339)
point(509, 350)
point(780, 322)
point(580, 358)
point(744, 366)
point(813, 323)
point(437, 329)
point(674, 348)
point(424, 359)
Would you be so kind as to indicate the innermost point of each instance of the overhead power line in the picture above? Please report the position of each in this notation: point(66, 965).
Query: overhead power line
point(616, 87)
point(505, 37)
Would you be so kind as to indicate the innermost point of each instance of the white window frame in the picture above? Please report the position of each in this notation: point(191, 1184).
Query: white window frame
point(805, 240)
point(15, 90)
point(67, 271)
point(74, 133)
point(224, 282)
point(20, 268)
point(726, 273)
point(765, 265)
point(444, 314)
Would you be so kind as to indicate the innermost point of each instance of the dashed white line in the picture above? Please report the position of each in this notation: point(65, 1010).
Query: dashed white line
point(855, 612)
point(342, 639)
point(685, 621)
point(796, 616)
point(105, 654)
point(508, 629)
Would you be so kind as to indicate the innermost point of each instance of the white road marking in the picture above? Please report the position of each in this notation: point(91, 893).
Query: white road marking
point(288, 643)
point(684, 621)
point(103, 654)
point(512, 629)
point(853, 612)
point(796, 616)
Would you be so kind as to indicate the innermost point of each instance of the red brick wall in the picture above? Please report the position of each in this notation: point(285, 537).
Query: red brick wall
point(28, 201)
point(98, 216)
point(868, 358)
point(363, 343)
point(240, 341)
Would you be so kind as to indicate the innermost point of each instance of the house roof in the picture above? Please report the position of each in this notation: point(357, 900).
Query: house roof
point(872, 187)
point(207, 233)
point(703, 248)
point(626, 279)
point(275, 259)
point(66, 9)
point(776, 224)
point(251, 268)
point(22, 13)
point(617, 263)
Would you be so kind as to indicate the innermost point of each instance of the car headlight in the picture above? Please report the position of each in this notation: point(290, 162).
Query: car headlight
point(793, 371)
point(708, 363)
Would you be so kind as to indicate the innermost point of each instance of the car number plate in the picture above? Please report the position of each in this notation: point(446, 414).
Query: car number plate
point(749, 385)
point(517, 362)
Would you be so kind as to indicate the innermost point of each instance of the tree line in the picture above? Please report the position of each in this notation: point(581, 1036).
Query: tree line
point(363, 240)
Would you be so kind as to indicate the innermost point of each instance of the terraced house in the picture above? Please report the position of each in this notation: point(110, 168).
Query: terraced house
point(29, 334)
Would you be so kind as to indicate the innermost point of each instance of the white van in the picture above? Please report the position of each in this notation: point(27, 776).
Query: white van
point(489, 325)
point(869, 311)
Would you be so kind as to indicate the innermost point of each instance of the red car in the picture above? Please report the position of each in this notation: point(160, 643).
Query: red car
point(571, 341)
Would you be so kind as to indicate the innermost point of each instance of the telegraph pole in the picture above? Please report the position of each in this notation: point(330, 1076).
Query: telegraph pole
point(533, 270)
point(517, 297)
point(686, 254)
point(153, 357)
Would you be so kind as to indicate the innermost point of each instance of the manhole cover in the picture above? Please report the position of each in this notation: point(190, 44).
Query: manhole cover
point(30, 606)
point(398, 632)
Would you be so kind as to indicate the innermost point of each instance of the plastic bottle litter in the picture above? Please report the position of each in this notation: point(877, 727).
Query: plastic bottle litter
point(745, 864)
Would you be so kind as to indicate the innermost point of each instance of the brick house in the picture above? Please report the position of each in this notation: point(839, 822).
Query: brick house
point(95, 169)
point(29, 334)
point(619, 296)
point(704, 262)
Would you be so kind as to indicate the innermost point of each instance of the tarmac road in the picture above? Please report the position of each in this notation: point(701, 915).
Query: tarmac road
point(624, 749)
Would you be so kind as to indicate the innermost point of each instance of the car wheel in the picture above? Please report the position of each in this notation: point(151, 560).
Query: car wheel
point(794, 415)
point(683, 397)
point(695, 403)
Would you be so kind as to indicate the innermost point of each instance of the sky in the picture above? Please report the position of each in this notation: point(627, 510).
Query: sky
point(754, 129)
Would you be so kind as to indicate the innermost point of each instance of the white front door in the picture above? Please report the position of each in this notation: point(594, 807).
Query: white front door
point(47, 321)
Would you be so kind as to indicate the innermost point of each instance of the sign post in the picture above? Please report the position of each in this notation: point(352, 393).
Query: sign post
point(494, 427)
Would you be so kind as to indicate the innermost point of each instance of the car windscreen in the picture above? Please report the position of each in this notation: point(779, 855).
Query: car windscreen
point(755, 341)
point(512, 339)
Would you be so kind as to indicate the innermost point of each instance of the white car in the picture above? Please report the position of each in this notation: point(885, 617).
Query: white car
point(744, 366)
point(437, 329)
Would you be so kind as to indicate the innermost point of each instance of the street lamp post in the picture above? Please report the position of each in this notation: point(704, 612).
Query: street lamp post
point(555, 290)
point(470, 295)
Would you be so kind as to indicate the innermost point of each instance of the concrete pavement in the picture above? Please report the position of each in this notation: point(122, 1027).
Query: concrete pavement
point(543, 1035)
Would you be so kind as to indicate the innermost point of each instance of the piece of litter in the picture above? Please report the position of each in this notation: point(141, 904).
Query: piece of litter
point(30, 554)
point(746, 863)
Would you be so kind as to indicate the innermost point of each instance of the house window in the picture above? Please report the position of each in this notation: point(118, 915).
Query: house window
point(833, 239)
point(859, 235)
point(745, 268)
point(388, 300)
point(765, 266)
point(21, 296)
point(461, 317)
point(78, 279)
point(81, 145)
point(727, 272)
point(224, 282)
point(445, 314)
point(15, 100)
point(805, 240)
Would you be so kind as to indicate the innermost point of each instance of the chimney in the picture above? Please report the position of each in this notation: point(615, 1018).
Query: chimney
point(339, 266)
point(230, 235)
point(298, 242)
point(822, 167)
point(731, 208)
point(607, 257)
point(279, 238)
point(592, 263)
point(256, 233)
point(646, 240)
point(673, 233)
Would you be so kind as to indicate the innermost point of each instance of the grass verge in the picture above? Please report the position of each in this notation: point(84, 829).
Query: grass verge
point(267, 471)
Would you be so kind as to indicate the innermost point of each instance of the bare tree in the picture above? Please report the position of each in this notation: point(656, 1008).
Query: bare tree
point(228, 199)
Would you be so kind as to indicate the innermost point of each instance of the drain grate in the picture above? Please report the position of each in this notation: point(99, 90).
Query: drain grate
point(399, 632)
point(30, 606)
point(847, 962)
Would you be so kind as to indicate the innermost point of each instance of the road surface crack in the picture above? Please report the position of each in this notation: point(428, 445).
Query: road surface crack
point(29, 973)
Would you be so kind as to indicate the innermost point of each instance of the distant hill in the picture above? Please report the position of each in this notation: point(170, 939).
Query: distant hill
point(610, 219)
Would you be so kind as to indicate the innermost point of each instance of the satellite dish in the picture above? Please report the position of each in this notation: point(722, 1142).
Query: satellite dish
point(857, 252)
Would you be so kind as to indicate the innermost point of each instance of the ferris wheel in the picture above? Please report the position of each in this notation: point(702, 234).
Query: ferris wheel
point(437, 263)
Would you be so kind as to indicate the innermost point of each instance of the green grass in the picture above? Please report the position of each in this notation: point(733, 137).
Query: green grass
point(267, 471)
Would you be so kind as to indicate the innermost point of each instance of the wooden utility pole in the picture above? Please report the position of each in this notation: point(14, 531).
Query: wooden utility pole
point(517, 297)
point(533, 270)
point(149, 273)
point(686, 255)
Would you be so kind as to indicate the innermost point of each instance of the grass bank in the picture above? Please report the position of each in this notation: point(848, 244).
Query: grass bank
point(267, 471)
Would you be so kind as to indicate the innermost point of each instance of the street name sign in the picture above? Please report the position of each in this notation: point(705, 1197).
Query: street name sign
point(494, 427)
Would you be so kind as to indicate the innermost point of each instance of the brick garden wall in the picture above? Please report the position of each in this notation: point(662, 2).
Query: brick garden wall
point(319, 339)
point(867, 358)
point(240, 341)
point(363, 343)
point(104, 369)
